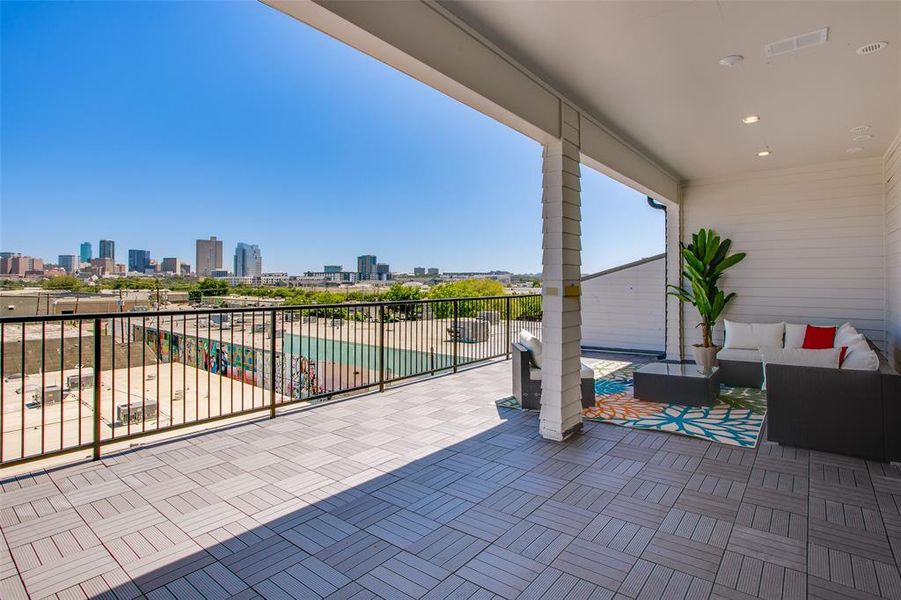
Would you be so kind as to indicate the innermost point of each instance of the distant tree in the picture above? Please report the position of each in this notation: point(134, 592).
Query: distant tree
point(214, 287)
point(63, 282)
point(467, 288)
point(399, 291)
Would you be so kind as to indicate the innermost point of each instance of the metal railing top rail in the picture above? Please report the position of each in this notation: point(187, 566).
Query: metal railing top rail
point(276, 308)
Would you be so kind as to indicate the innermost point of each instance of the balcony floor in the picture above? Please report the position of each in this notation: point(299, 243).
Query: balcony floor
point(429, 490)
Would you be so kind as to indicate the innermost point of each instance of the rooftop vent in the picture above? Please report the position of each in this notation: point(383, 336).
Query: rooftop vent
point(871, 48)
point(805, 40)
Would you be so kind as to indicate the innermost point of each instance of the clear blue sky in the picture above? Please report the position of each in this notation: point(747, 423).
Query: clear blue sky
point(155, 123)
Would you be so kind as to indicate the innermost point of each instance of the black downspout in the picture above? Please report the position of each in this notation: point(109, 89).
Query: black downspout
point(654, 204)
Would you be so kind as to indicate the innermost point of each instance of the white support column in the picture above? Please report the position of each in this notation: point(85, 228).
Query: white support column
point(674, 308)
point(561, 324)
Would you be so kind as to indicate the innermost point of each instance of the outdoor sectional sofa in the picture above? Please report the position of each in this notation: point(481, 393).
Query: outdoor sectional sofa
point(851, 411)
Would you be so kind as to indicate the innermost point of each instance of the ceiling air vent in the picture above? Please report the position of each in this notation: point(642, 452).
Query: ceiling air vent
point(805, 40)
point(871, 48)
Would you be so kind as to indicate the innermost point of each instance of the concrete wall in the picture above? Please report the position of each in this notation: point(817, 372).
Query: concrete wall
point(815, 242)
point(892, 178)
point(625, 307)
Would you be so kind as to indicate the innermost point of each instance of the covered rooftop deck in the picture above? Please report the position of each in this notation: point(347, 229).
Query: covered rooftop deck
point(430, 490)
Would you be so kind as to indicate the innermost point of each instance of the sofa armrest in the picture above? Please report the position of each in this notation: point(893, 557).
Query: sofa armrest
point(833, 410)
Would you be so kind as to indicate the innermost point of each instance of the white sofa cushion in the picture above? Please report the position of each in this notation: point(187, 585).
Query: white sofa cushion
point(860, 357)
point(739, 354)
point(800, 357)
point(846, 335)
point(752, 336)
point(794, 335)
point(533, 345)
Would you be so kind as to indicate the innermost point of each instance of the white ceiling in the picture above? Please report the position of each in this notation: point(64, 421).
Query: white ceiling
point(649, 71)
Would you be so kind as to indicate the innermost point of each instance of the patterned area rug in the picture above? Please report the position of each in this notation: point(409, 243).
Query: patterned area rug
point(736, 420)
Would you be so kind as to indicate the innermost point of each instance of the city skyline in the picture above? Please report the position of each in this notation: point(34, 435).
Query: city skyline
point(326, 160)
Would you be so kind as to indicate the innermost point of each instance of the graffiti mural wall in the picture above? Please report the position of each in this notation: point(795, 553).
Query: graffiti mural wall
point(294, 376)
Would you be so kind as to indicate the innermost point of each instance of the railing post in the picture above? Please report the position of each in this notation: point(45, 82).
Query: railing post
point(456, 331)
point(509, 327)
point(381, 347)
point(272, 365)
point(97, 359)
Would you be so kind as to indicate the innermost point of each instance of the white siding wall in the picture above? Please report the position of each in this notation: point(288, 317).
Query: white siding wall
point(892, 172)
point(625, 308)
point(815, 242)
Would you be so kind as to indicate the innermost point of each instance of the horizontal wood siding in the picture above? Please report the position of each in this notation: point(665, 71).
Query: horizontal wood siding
point(625, 309)
point(815, 242)
point(892, 173)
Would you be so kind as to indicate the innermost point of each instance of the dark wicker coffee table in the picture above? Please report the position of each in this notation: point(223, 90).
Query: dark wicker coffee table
point(671, 383)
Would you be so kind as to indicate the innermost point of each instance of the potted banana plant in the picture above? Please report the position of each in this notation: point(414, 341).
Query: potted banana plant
point(706, 258)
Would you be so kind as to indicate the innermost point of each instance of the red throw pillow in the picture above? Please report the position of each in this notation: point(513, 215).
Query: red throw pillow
point(818, 338)
point(842, 356)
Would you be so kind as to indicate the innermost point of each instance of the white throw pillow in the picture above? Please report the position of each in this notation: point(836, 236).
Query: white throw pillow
point(754, 335)
point(794, 335)
point(846, 335)
point(860, 357)
point(800, 357)
point(533, 345)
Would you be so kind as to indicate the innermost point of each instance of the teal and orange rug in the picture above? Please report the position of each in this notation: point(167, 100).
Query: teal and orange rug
point(736, 420)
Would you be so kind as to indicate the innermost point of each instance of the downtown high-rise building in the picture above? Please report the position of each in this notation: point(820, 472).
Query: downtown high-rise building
point(138, 260)
point(171, 264)
point(84, 252)
point(248, 260)
point(107, 249)
point(69, 263)
point(209, 257)
point(366, 266)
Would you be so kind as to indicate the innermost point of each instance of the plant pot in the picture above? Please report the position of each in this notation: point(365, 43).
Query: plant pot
point(705, 357)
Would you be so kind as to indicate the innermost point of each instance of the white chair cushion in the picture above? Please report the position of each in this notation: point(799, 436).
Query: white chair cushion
point(739, 354)
point(533, 345)
point(794, 335)
point(860, 357)
point(586, 372)
point(752, 336)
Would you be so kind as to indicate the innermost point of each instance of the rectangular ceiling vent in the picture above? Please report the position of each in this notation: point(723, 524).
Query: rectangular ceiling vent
point(799, 42)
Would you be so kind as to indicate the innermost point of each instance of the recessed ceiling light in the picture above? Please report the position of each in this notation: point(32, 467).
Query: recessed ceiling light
point(862, 138)
point(854, 150)
point(763, 153)
point(860, 129)
point(871, 48)
point(750, 119)
point(731, 60)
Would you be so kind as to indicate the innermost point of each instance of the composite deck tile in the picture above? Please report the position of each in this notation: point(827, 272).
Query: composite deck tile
point(357, 554)
point(503, 572)
point(780, 550)
point(318, 533)
point(684, 554)
point(633, 510)
point(448, 548)
point(595, 563)
point(403, 528)
point(717, 507)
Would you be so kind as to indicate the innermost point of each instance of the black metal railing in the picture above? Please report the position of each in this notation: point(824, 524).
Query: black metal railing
point(79, 382)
